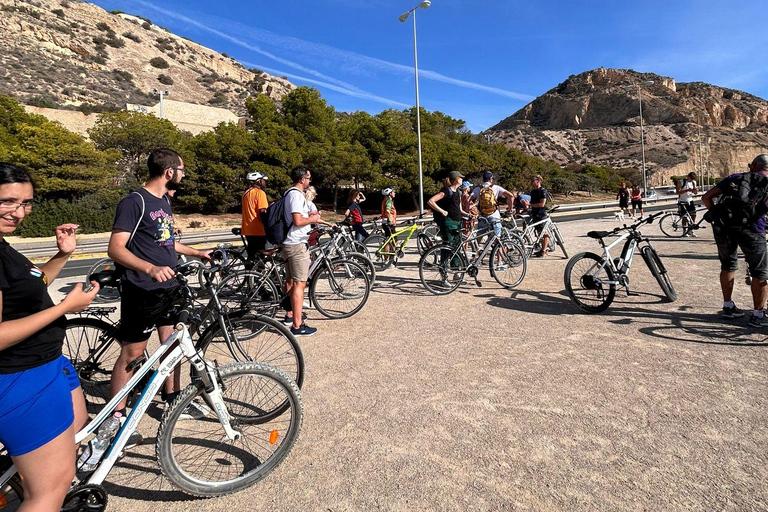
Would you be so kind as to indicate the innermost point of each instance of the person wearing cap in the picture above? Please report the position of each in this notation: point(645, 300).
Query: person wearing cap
point(254, 204)
point(487, 197)
point(623, 197)
point(751, 240)
point(686, 189)
point(468, 206)
point(446, 207)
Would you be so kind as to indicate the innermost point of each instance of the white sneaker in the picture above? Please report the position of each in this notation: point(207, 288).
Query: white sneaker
point(195, 411)
point(694, 235)
point(501, 267)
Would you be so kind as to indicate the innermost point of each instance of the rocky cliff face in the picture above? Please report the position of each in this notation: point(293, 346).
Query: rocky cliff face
point(72, 54)
point(595, 117)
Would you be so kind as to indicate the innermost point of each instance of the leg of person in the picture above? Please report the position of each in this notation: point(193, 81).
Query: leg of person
point(726, 253)
point(297, 273)
point(754, 248)
point(78, 399)
point(47, 472)
point(250, 247)
point(692, 212)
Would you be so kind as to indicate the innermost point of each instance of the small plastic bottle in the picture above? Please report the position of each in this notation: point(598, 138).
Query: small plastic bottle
point(95, 450)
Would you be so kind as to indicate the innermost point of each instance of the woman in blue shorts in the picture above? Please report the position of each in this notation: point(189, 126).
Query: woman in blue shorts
point(41, 403)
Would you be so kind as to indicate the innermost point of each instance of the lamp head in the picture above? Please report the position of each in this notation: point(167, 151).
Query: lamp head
point(425, 4)
point(167, 92)
point(404, 17)
point(155, 91)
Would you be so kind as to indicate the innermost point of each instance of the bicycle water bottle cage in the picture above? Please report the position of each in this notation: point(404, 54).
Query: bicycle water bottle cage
point(136, 363)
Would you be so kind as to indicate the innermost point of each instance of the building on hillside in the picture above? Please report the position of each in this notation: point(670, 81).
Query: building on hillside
point(72, 120)
point(190, 116)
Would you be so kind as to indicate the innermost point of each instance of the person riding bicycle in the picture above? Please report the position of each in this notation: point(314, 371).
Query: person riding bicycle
point(685, 190)
point(538, 207)
point(388, 212)
point(355, 214)
point(254, 204)
point(736, 227)
point(487, 197)
point(41, 402)
point(142, 243)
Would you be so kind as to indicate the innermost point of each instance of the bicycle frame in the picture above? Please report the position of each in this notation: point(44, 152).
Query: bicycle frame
point(398, 246)
point(608, 260)
point(185, 348)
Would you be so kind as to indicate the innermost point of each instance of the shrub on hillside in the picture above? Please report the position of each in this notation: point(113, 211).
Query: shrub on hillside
point(165, 79)
point(58, 12)
point(103, 27)
point(115, 42)
point(133, 37)
point(159, 63)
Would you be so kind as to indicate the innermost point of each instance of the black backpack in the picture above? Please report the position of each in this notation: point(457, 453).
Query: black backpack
point(276, 227)
point(740, 204)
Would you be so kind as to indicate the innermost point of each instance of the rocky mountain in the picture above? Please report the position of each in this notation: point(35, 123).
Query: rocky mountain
point(72, 54)
point(594, 118)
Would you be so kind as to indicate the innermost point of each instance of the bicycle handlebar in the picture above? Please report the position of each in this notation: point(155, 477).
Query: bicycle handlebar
point(633, 227)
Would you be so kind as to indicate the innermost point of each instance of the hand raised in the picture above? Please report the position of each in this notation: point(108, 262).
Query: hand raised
point(65, 238)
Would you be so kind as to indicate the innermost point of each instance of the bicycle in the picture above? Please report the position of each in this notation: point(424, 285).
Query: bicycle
point(533, 237)
point(254, 418)
point(91, 338)
point(591, 279)
point(507, 263)
point(387, 251)
point(675, 225)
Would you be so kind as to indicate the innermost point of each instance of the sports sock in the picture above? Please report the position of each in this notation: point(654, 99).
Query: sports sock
point(759, 313)
point(728, 304)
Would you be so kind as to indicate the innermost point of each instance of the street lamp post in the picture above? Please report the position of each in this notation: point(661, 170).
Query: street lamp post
point(403, 18)
point(642, 128)
point(161, 93)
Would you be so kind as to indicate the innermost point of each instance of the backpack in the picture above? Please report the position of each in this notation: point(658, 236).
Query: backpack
point(276, 227)
point(741, 197)
point(486, 201)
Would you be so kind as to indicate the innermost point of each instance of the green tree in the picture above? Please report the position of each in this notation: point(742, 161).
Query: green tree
point(307, 112)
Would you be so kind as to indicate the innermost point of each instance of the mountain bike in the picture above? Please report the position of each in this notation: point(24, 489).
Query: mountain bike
point(385, 251)
point(591, 279)
point(675, 225)
point(91, 338)
point(253, 421)
point(443, 267)
point(533, 233)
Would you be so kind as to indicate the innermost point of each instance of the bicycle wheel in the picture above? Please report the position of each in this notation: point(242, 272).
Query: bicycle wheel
point(442, 268)
point(366, 263)
point(339, 289)
point(359, 247)
point(424, 243)
point(658, 270)
point(585, 277)
point(671, 225)
point(92, 347)
point(559, 239)
point(381, 261)
point(256, 338)
point(249, 291)
point(196, 455)
point(508, 264)
point(108, 293)
point(432, 231)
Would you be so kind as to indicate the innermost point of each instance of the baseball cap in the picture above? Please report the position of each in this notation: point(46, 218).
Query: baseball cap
point(623, 184)
point(455, 174)
point(487, 176)
point(466, 184)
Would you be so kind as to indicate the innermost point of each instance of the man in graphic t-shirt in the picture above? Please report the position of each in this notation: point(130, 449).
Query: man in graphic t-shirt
point(143, 243)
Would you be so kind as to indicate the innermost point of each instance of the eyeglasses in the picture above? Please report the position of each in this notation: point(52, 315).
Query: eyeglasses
point(10, 206)
point(182, 170)
point(308, 178)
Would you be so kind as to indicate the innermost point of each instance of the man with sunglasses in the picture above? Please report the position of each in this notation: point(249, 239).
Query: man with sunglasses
point(143, 244)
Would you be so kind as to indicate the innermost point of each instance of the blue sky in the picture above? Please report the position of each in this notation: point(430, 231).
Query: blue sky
point(479, 60)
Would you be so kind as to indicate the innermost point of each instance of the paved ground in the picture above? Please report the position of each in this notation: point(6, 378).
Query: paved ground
point(495, 400)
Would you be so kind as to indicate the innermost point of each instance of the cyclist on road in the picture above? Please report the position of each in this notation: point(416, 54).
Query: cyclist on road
point(254, 204)
point(143, 244)
point(685, 190)
point(41, 402)
point(487, 197)
point(538, 207)
point(355, 214)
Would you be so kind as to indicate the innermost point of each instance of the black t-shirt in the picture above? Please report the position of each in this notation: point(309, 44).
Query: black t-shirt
point(451, 202)
point(537, 195)
point(154, 240)
point(25, 292)
point(623, 194)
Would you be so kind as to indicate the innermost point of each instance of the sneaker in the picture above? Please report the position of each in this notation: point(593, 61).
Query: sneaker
point(304, 330)
point(757, 321)
point(732, 312)
point(686, 235)
point(288, 320)
point(195, 411)
point(501, 267)
point(537, 255)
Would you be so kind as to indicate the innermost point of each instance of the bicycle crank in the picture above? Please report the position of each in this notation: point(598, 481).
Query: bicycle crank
point(85, 498)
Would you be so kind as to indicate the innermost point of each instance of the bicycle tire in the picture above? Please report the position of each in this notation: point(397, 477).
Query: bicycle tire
point(196, 456)
point(559, 239)
point(432, 231)
point(515, 263)
point(587, 294)
point(257, 338)
point(652, 260)
point(424, 243)
point(106, 294)
point(375, 245)
point(249, 291)
point(359, 247)
point(365, 262)
point(339, 289)
point(92, 347)
point(436, 267)
point(671, 225)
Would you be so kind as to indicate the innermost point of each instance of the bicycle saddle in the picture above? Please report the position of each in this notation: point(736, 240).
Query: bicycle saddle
point(598, 234)
point(105, 278)
point(269, 252)
point(236, 231)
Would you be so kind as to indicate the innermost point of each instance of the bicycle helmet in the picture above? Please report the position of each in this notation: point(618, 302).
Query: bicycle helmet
point(387, 191)
point(255, 176)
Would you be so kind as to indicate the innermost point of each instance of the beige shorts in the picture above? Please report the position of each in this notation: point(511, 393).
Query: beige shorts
point(297, 261)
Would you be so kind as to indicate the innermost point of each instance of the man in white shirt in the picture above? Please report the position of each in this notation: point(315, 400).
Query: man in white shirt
point(487, 198)
point(295, 249)
point(686, 189)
